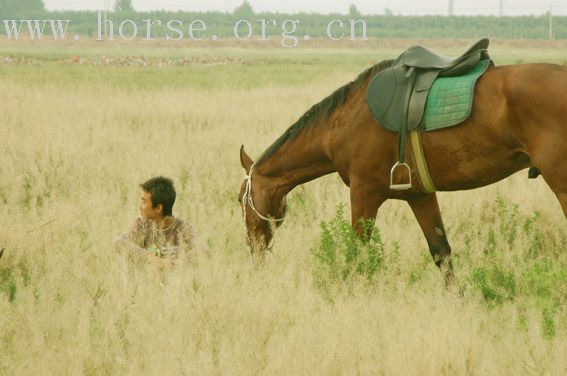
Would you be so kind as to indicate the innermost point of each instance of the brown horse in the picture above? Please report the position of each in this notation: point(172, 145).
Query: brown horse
point(519, 120)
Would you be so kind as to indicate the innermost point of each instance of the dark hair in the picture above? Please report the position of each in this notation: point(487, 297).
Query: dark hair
point(162, 192)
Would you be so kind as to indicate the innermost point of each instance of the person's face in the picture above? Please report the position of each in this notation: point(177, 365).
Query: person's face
point(146, 209)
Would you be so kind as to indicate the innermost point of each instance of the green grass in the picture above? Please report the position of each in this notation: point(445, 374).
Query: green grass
point(342, 257)
point(242, 67)
point(510, 270)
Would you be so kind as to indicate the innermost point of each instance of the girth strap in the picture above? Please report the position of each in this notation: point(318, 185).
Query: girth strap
point(421, 164)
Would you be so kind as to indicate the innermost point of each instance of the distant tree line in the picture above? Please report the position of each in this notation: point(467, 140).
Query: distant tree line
point(23, 8)
point(123, 6)
point(315, 25)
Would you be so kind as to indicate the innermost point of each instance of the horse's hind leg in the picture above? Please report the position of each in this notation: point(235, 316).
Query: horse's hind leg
point(553, 167)
point(426, 211)
point(557, 181)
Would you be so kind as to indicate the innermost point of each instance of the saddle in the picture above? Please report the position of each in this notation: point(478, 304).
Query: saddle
point(397, 95)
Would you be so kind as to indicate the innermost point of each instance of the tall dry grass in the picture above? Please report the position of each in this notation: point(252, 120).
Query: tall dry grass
point(72, 155)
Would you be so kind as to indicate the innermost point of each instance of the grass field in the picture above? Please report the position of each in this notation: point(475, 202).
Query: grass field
point(83, 124)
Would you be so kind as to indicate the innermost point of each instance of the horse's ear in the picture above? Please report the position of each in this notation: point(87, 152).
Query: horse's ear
point(245, 160)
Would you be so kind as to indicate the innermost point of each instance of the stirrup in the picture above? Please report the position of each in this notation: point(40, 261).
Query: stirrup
point(400, 187)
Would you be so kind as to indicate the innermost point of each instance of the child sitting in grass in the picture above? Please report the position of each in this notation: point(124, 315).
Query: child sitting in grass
point(157, 234)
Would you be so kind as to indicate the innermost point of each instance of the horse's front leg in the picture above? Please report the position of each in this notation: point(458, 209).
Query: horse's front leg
point(364, 201)
point(426, 211)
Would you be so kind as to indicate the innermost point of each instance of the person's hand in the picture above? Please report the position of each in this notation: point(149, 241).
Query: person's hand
point(157, 261)
point(154, 257)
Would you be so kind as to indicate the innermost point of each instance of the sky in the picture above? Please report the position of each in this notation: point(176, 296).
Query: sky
point(403, 7)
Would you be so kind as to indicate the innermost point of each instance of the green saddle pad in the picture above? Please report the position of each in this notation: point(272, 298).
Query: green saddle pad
point(450, 99)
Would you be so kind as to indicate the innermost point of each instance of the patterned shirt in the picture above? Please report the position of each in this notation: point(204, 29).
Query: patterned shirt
point(144, 237)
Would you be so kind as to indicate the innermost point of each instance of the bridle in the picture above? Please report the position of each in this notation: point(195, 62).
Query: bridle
point(247, 199)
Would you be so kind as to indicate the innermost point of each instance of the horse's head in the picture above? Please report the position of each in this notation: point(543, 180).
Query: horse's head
point(263, 208)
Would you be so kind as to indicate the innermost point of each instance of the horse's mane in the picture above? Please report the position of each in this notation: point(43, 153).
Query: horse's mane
point(323, 108)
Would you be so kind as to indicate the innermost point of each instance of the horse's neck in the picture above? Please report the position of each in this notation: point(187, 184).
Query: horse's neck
point(299, 160)
point(305, 157)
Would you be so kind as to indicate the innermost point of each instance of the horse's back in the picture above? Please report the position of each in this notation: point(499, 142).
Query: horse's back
point(517, 111)
point(537, 99)
point(530, 81)
point(535, 95)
